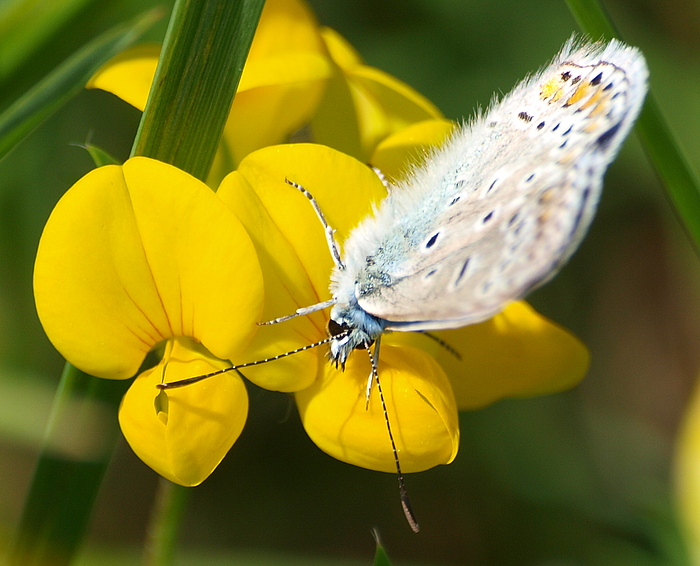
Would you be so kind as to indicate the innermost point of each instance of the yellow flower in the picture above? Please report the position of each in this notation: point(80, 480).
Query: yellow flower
point(517, 353)
point(296, 74)
point(281, 85)
point(363, 105)
point(142, 256)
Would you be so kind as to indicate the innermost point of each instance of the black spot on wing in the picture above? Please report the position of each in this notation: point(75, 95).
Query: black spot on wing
point(462, 271)
point(582, 207)
point(604, 140)
point(525, 117)
point(597, 79)
point(540, 125)
point(430, 243)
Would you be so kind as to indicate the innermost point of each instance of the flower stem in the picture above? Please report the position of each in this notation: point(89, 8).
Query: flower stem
point(79, 442)
point(167, 514)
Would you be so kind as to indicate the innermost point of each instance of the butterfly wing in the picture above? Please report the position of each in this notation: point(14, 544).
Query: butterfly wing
point(505, 203)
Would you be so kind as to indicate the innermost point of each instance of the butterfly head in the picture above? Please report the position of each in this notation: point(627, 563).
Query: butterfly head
point(352, 328)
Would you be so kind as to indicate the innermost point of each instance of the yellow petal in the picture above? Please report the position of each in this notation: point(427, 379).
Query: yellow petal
point(292, 245)
point(281, 85)
point(420, 405)
point(136, 254)
point(282, 82)
point(344, 188)
point(363, 105)
point(276, 97)
point(344, 54)
point(517, 353)
point(129, 75)
point(409, 147)
point(402, 104)
point(285, 25)
point(336, 122)
point(184, 433)
point(287, 286)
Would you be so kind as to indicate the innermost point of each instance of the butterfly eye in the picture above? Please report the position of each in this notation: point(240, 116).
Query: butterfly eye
point(344, 330)
point(335, 329)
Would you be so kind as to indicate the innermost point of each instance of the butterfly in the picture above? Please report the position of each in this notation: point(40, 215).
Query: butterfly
point(489, 216)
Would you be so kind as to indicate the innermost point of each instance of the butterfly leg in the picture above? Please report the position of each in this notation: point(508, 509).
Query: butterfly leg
point(374, 360)
point(300, 312)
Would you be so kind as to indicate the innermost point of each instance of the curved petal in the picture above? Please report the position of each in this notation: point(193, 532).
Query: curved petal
point(282, 82)
point(517, 353)
point(285, 25)
point(278, 97)
point(281, 85)
point(184, 433)
point(402, 104)
point(419, 402)
point(369, 103)
point(129, 75)
point(136, 254)
point(292, 246)
point(340, 50)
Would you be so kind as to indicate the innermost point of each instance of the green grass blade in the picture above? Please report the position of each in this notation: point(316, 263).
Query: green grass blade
point(200, 66)
point(66, 81)
point(80, 438)
point(674, 169)
point(26, 24)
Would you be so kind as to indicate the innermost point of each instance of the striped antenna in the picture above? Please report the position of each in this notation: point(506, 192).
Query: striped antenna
point(191, 380)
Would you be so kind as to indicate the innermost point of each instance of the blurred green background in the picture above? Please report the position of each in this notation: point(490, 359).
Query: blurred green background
point(584, 477)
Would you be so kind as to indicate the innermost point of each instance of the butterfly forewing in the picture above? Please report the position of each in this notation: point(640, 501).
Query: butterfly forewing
point(499, 209)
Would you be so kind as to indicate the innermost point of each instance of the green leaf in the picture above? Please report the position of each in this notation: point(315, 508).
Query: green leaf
point(674, 169)
point(66, 81)
point(381, 558)
point(100, 156)
point(199, 69)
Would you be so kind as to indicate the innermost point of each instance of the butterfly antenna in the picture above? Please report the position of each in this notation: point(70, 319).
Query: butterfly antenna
point(330, 238)
point(442, 343)
point(191, 380)
point(403, 492)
